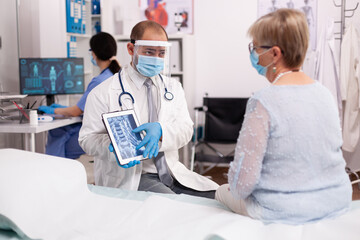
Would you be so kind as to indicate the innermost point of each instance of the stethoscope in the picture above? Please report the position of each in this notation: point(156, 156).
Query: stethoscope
point(168, 95)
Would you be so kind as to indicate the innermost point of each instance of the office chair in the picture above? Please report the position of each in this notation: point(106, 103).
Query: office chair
point(223, 121)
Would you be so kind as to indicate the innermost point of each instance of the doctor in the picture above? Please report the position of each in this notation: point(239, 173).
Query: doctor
point(164, 117)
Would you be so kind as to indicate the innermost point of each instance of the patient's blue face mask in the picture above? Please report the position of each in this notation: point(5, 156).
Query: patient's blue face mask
point(254, 58)
point(149, 66)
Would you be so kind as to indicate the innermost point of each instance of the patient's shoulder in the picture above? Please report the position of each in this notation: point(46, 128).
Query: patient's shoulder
point(263, 95)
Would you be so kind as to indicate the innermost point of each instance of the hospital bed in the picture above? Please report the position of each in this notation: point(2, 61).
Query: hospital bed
point(46, 197)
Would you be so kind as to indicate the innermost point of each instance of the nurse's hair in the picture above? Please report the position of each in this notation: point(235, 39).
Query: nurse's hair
point(104, 46)
point(287, 29)
point(139, 29)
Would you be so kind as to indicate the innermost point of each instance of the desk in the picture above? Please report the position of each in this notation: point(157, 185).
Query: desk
point(30, 130)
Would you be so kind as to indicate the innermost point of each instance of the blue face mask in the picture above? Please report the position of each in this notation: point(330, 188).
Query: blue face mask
point(93, 60)
point(149, 66)
point(254, 58)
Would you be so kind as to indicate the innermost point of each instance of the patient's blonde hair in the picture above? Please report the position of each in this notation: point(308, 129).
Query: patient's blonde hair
point(287, 29)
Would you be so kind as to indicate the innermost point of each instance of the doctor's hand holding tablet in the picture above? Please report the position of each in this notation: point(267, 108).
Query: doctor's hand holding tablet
point(130, 145)
point(128, 165)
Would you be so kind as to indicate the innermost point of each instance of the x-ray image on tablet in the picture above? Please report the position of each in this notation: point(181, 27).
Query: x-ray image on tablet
point(119, 126)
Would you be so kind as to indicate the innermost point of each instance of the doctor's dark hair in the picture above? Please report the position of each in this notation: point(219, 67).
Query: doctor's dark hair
point(104, 47)
point(139, 29)
point(287, 29)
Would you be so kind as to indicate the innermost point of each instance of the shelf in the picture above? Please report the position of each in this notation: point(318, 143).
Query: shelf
point(177, 35)
point(171, 37)
point(78, 35)
point(177, 73)
point(122, 37)
point(95, 15)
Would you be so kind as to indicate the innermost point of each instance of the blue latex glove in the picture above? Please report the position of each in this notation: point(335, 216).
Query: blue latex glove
point(55, 105)
point(46, 109)
point(129, 165)
point(151, 140)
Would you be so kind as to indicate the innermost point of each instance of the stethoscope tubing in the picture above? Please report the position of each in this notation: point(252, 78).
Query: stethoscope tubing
point(167, 95)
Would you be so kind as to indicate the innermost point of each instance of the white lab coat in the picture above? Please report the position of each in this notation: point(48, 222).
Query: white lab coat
point(327, 63)
point(350, 87)
point(177, 129)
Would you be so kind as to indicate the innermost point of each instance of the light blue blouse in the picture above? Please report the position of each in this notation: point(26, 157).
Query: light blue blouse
point(288, 164)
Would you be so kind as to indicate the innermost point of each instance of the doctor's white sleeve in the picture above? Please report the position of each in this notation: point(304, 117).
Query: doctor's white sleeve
point(244, 171)
point(177, 126)
point(93, 137)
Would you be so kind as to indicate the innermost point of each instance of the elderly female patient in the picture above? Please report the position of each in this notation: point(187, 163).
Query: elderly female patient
point(288, 164)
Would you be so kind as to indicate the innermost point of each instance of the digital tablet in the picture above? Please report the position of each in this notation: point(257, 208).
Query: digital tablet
point(119, 126)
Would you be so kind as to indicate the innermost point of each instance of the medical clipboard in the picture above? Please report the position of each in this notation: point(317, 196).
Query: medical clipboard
point(119, 126)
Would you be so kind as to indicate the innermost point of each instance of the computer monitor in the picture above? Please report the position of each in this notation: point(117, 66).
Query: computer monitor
point(51, 76)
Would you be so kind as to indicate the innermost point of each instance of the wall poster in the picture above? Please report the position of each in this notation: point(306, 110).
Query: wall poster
point(176, 16)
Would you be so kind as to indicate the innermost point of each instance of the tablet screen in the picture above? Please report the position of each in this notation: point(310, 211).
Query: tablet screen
point(119, 126)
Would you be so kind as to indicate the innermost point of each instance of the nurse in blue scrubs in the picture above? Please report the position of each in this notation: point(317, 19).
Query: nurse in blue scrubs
point(63, 142)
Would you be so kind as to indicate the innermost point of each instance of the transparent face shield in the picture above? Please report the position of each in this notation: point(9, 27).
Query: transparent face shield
point(152, 58)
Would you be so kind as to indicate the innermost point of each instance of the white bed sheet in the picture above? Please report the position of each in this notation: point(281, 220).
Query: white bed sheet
point(231, 226)
point(48, 198)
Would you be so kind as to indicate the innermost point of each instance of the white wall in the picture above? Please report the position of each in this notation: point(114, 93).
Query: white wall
point(52, 25)
point(29, 33)
point(9, 49)
point(119, 16)
point(9, 62)
point(42, 28)
point(222, 61)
